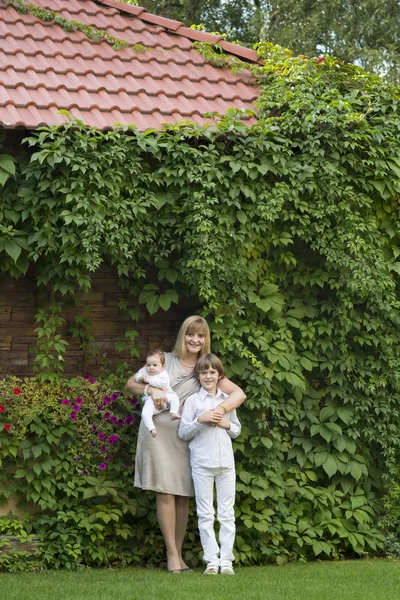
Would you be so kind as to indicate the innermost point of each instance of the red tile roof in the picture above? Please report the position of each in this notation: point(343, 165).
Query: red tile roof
point(44, 68)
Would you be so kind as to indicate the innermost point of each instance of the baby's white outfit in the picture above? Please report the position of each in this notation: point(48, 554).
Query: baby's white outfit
point(212, 461)
point(161, 381)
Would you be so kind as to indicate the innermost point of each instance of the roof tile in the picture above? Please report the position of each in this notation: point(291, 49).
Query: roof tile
point(44, 68)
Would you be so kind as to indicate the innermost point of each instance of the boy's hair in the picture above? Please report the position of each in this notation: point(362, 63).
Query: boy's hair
point(158, 352)
point(193, 324)
point(209, 361)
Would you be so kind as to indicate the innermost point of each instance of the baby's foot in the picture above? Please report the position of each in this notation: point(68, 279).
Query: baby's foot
point(174, 417)
point(154, 432)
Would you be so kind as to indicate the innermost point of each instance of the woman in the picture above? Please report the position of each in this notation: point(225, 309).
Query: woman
point(162, 463)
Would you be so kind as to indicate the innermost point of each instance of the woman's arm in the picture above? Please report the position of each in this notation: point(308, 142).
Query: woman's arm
point(236, 396)
point(158, 395)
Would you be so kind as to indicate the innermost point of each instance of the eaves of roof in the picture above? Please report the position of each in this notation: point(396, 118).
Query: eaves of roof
point(44, 68)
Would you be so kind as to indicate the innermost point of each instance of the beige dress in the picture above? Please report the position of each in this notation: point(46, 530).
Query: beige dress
point(162, 463)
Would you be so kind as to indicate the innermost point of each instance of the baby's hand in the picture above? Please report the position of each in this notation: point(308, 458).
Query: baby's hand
point(144, 379)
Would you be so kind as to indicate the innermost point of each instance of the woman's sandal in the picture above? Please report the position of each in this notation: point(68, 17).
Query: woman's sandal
point(174, 570)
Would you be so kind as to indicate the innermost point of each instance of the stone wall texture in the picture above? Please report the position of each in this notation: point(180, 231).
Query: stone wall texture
point(20, 300)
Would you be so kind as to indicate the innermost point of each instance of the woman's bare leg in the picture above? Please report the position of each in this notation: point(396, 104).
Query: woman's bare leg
point(166, 516)
point(181, 519)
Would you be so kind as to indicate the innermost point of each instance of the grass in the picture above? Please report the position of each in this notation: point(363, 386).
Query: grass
point(351, 580)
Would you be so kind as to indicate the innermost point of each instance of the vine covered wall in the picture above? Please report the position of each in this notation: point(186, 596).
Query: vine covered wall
point(285, 234)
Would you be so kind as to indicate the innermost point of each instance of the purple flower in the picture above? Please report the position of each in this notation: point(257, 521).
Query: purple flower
point(107, 458)
point(85, 472)
point(124, 466)
point(93, 443)
point(100, 408)
point(73, 416)
point(101, 436)
point(103, 449)
point(115, 396)
point(91, 379)
point(86, 377)
point(106, 400)
point(79, 400)
point(107, 415)
point(102, 466)
point(94, 428)
point(133, 400)
point(113, 420)
point(65, 401)
point(120, 422)
point(78, 458)
point(77, 407)
point(129, 419)
point(112, 439)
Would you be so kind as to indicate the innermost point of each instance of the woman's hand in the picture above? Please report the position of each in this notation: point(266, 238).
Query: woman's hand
point(224, 424)
point(159, 398)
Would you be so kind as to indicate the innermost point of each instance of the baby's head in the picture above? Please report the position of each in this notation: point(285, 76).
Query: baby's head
point(155, 361)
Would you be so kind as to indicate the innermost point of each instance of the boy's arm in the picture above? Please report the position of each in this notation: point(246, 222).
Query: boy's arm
point(189, 425)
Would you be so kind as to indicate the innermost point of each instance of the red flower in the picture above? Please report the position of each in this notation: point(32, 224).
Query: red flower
point(17, 391)
point(1, 408)
point(321, 58)
point(7, 426)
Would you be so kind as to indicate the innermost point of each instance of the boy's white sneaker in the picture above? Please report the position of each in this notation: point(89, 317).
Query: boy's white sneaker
point(227, 571)
point(211, 570)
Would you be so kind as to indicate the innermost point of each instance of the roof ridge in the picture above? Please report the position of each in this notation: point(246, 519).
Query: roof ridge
point(179, 28)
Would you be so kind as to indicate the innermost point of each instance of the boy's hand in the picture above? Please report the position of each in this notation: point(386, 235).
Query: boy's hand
point(209, 416)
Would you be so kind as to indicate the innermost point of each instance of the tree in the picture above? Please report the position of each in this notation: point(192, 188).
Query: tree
point(241, 19)
point(364, 32)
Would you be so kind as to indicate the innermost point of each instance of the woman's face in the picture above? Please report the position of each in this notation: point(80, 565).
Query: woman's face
point(194, 342)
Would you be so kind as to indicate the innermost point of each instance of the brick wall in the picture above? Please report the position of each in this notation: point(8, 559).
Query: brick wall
point(20, 301)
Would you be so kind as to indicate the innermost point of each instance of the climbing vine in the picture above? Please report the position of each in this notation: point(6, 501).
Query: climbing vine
point(91, 32)
point(284, 234)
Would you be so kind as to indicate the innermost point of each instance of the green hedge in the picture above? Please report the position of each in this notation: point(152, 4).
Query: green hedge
point(285, 236)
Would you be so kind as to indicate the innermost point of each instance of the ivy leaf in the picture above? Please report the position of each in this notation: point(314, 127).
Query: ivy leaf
point(153, 304)
point(12, 249)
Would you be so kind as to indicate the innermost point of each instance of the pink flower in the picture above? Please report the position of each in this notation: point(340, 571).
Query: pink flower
point(321, 58)
point(101, 436)
point(73, 416)
point(102, 466)
point(65, 401)
point(107, 415)
point(79, 400)
point(2, 408)
point(77, 407)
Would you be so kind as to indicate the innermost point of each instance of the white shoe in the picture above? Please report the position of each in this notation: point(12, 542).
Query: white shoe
point(227, 571)
point(211, 570)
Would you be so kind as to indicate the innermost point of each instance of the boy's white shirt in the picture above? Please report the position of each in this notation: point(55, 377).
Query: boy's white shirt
point(210, 446)
point(161, 380)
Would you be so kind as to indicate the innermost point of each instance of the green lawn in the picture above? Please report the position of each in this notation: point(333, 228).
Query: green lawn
point(352, 580)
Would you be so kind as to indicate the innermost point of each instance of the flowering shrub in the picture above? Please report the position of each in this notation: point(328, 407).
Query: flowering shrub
point(67, 452)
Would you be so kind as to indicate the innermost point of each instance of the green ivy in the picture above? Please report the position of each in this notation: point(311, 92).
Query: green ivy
point(91, 32)
point(284, 235)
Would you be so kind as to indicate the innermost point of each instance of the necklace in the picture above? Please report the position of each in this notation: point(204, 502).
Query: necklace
point(186, 365)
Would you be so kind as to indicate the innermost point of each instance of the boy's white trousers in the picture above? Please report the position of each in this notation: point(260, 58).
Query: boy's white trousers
point(224, 479)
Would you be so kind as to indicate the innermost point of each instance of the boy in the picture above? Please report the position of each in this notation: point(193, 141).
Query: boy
point(212, 461)
point(154, 374)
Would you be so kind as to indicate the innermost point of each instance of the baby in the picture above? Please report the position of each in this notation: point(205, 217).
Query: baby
point(154, 374)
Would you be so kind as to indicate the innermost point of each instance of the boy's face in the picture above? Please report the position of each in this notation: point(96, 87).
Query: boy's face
point(154, 365)
point(209, 380)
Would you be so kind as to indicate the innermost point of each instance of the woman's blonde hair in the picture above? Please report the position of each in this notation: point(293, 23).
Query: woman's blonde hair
point(193, 324)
